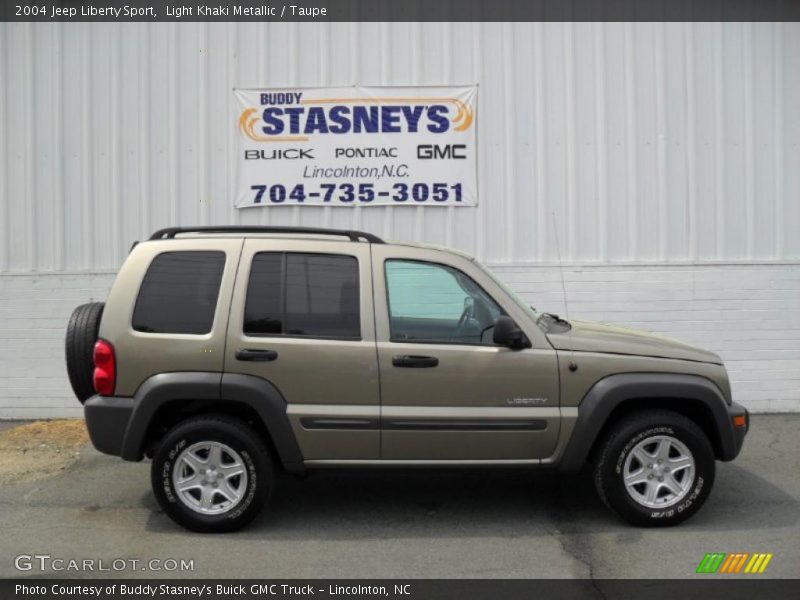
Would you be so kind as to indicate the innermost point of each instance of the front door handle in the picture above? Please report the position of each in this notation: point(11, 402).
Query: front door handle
point(256, 355)
point(415, 362)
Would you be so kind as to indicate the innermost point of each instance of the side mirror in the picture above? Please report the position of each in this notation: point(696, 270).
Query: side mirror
point(506, 333)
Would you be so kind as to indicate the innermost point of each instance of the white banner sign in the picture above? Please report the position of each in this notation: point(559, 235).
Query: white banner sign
point(356, 146)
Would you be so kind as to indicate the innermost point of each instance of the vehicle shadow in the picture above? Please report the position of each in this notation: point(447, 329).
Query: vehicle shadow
point(346, 505)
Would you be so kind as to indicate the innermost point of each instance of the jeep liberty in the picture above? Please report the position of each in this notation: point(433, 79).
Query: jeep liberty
point(226, 353)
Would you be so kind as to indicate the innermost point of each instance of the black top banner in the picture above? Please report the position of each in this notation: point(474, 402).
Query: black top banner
point(399, 10)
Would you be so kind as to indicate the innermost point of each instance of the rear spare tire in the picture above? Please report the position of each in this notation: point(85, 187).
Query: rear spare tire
point(82, 331)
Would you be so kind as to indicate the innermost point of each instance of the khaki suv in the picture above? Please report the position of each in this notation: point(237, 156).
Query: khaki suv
point(226, 353)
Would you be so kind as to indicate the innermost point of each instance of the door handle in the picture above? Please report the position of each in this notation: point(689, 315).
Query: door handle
point(256, 355)
point(415, 362)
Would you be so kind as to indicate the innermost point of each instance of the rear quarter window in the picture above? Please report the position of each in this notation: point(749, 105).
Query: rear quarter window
point(179, 293)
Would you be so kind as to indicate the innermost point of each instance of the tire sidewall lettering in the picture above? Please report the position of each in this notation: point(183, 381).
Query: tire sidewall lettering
point(166, 470)
point(252, 486)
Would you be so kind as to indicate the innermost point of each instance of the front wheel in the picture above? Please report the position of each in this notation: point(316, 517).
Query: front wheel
point(212, 474)
point(655, 468)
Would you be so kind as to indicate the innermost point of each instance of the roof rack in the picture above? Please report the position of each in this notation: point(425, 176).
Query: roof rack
point(355, 236)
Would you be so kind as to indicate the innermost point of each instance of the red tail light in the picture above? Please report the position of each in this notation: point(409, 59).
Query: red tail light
point(105, 368)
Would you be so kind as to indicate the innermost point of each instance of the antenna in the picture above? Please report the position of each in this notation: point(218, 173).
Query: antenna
point(573, 366)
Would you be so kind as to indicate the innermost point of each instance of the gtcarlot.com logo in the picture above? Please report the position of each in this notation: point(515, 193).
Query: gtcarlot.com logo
point(46, 562)
point(736, 562)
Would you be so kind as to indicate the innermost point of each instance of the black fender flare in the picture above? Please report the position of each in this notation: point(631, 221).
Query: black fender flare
point(259, 394)
point(270, 405)
point(608, 393)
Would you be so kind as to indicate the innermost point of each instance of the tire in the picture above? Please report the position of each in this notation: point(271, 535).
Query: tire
point(682, 478)
point(82, 331)
point(187, 442)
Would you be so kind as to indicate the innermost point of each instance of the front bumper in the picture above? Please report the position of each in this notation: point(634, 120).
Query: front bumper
point(107, 419)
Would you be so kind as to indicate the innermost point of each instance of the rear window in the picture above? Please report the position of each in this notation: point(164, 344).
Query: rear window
point(179, 293)
point(303, 294)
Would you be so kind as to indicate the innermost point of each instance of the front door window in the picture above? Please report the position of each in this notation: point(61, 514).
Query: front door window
point(434, 303)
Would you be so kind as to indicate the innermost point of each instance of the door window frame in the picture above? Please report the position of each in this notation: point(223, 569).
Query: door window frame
point(284, 255)
point(392, 339)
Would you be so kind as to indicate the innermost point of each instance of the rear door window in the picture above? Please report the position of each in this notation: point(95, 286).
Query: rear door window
point(299, 294)
point(179, 293)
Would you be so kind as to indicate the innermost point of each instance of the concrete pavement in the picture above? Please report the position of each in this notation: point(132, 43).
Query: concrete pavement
point(415, 524)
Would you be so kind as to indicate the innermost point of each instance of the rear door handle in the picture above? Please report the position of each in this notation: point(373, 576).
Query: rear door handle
point(415, 362)
point(256, 355)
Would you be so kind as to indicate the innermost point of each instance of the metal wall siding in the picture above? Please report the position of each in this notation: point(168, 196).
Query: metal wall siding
point(623, 142)
point(641, 151)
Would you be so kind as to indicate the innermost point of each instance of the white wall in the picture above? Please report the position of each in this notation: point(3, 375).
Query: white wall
point(666, 156)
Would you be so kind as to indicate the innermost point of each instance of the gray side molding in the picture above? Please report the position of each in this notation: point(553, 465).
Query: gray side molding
point(608, 393)
point(258, 393)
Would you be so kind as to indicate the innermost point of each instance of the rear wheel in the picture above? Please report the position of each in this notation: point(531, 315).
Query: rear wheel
point(82, 331)
point(655, 468)
point(212, 474)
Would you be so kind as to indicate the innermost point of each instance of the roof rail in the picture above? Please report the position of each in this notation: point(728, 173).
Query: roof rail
point(170, 232)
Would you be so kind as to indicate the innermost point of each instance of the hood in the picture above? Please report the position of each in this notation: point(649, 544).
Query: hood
point(587, 336)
